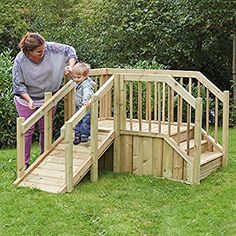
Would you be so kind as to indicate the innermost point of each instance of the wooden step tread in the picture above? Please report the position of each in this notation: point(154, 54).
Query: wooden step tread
point(183, 145)
point(209, 156)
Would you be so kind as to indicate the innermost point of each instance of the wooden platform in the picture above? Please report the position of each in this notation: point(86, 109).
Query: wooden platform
point(48, 174)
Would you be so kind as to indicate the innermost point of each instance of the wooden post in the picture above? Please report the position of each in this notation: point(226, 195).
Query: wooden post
point(225, 130)
point(197, 142)
point(116, 160)
point(94, 138)
point(20, 148)
point(69, 156)
point(47, 124)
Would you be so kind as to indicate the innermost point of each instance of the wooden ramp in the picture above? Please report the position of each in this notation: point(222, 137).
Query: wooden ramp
point(48, 173)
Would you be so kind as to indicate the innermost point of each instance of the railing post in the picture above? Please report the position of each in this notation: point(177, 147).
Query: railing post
point(225, 130)
point(69, 105)
point(69, 156)
point(197, 142)
point(116, 160)
point(20, 148)
point(47, 124)
point(94, 138)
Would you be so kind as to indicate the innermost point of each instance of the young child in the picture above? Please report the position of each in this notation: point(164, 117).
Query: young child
point(84, 91)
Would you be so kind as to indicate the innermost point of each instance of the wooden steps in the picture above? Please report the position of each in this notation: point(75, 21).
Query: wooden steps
point(49, 174)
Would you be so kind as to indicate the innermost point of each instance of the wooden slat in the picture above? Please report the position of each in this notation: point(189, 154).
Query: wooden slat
point(147, 156)
point(178, 163)
point(137, 156)
point(127, 153)
point(167, 160)
point(157, 156)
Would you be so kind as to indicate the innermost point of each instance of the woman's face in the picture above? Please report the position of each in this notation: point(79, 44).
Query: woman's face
point(38, 52)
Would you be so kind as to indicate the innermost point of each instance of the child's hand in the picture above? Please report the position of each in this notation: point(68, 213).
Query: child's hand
point(87, 104)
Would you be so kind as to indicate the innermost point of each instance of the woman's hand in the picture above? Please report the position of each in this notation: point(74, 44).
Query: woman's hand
point(31, 104)
point(68, 70)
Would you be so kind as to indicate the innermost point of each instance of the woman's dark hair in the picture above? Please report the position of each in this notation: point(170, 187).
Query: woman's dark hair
point(30, 41)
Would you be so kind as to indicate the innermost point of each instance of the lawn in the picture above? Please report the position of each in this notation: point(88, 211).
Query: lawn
point(121, 204)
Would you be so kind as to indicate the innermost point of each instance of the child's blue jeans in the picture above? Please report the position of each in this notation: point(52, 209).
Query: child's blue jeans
point(83, 127)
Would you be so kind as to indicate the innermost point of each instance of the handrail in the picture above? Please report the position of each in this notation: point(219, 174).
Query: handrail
point(174, 73)
point(100, 93)
point(167, 79)
point(105, 87)
point(47, 106)
point(209, 85)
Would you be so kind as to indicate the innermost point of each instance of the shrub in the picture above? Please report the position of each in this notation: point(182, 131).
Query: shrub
point(7, 109)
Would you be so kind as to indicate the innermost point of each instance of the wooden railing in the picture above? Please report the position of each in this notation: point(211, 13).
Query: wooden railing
point(215, 106)
point(44, 111)
point(67, 132)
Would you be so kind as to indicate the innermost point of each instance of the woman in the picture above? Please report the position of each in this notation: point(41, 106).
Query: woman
point(38, 68)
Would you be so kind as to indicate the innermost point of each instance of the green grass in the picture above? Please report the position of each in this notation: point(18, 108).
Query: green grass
point(121, 204)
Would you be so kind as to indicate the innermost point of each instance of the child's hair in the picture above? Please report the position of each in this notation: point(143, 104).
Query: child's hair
point(81, 69)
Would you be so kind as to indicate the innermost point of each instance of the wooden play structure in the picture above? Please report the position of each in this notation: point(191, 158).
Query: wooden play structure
point(166, 123)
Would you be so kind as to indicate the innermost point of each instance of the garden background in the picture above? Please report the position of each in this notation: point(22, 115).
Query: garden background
point(172, 34)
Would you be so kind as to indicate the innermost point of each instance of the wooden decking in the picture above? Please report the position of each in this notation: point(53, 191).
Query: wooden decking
point(49, 173)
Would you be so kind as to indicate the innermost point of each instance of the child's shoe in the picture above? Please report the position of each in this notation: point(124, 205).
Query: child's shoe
point(84, 139)
point(77, 140)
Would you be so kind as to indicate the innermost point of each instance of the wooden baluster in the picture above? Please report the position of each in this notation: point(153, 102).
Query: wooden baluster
point(155, 102)
point(178, 120)
point(172, 105)
point(190, 91)
point(131, 104)
point(149, 85)
point(159, 107)
point(47, 124)
point(216, 119)
point(169, 111)
point(198, 89)
point(188, 126)
point(163, 101)
point(140, 105)
point(207, 110)
point(181, 105)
